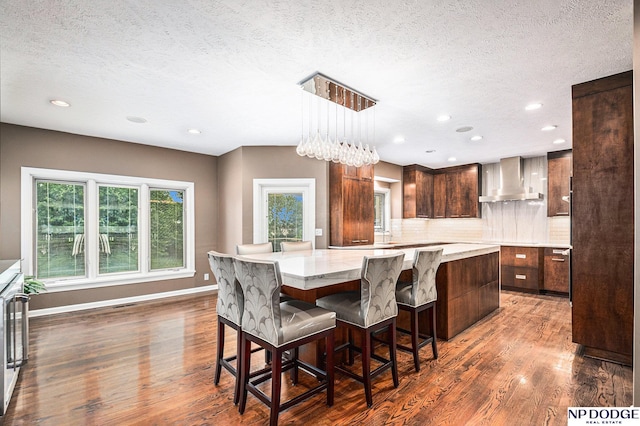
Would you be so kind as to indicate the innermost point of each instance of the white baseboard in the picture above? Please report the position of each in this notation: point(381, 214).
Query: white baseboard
point(124, 300)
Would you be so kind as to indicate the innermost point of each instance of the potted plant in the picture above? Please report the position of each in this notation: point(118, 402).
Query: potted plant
point(33, 286)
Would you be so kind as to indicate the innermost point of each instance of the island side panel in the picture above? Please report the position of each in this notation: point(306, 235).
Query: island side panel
point(468, 290)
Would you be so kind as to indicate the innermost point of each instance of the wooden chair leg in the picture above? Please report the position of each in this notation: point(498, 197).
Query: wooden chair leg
point(244, 374)
point(366, 366)
point(351, 343)
point(434, 345)
point(294, 371)
point(239, 357)
point(276, 383)
point(329, 368)
point(392, 353)
point(219, 352)
point(415, 345)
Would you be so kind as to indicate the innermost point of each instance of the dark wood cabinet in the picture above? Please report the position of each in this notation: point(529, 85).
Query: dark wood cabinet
point(440, 196)
point(522, 268)
point(558, 182)
point(603, 213)
point(351, 204)
point(417, 188)
point(455, 192)
point(556, 270)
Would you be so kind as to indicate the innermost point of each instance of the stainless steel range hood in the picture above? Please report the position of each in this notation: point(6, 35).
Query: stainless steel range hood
point(511, 183)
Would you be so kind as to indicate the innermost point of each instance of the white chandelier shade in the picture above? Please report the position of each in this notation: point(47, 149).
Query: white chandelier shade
point(338, 123)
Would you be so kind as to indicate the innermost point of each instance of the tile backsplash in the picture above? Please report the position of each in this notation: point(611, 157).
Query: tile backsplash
point(510, 221)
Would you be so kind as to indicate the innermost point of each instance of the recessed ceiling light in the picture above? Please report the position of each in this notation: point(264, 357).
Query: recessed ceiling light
point(135, 119)
point(444, 118)
point(559, 141)
point(533, 106)
point(398, 140)
point(550, 127)
point(451, 159)
point(464, 129)
point(58, 102)
point(194, 131)
point(476, 138)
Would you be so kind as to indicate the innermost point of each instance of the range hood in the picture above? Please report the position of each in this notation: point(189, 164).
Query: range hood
point(511, 183)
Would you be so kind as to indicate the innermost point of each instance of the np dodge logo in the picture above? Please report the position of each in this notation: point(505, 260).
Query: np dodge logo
point(603, 416)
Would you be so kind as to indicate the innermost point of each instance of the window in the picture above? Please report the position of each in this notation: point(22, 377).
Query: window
point(92, 230)
point(381, 209)
point(284, 210)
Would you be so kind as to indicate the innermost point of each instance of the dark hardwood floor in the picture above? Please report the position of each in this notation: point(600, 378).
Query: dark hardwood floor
point(153, 363)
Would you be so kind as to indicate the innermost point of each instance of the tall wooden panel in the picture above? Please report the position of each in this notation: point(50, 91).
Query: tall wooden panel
point(351, 205)
point(440, 196)
point(602, 227)
point(417, 187)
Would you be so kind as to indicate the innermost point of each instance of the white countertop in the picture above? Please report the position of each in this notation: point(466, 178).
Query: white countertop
point(319, 268)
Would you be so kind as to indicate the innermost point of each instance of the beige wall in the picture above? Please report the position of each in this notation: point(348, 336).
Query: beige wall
point(243, 165)
point(230, 196)
point(25, 146)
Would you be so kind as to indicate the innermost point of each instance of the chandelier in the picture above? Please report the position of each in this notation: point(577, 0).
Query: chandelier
point(338, 124)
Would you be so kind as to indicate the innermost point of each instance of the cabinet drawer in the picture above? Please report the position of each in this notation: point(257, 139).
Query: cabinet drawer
point(520, 256)
point(514, 276)
point(556, 270)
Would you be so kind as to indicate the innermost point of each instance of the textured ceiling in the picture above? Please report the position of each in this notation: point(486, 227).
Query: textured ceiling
point(230, 68)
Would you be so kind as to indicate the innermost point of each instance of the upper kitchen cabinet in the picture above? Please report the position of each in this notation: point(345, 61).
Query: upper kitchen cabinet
point(461, 185)
point(451, 192)
point(559, 169)
point(602, 260)
point(351, 204)
point(417, 191)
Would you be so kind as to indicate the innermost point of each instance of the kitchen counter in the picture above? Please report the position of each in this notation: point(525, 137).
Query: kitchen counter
point(307, 270)
point(428, 243)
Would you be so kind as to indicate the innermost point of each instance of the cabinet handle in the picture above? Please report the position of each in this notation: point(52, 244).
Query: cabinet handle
point(355, 241)
point(439, 216)
point(521, 277)
point(521, 256)
point(562, 213)
point(454, 215)
point(557, 260)
point(465, 215)
point(364, 241)
point(562, 252)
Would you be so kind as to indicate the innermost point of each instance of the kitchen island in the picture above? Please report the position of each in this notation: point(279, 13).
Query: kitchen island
point(467, 279)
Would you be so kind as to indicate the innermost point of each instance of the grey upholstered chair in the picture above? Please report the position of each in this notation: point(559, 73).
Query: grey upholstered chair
point(254, 248)
point(369, 310)
point(229, 309)
point(286, 246)
point(279, 327)
point(419, 295)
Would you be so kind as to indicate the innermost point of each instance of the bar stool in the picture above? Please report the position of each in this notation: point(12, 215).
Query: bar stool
point(243, 249)
point(372, 309)
point(229, 308)
point(417, 296)
point(287, 246)
point(279, 327)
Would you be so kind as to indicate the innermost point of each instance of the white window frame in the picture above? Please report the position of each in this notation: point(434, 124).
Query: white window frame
point(262, 187)
point(91, 181)
point(387, 208)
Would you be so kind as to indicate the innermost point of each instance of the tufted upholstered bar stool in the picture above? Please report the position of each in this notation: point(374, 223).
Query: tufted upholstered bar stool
point(369, 310)
point(419, 295)
point(279, 327)
point(287, 246)
point(229, 308)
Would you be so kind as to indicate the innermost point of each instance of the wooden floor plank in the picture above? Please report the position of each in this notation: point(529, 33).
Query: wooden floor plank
point(153, 363)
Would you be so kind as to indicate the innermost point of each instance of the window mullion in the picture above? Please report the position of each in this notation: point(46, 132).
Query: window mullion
point(143, 230)
point(92, 229)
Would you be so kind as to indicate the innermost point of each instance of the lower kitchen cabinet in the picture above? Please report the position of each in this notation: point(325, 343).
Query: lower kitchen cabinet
point(521, 268)
point(556, 270)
